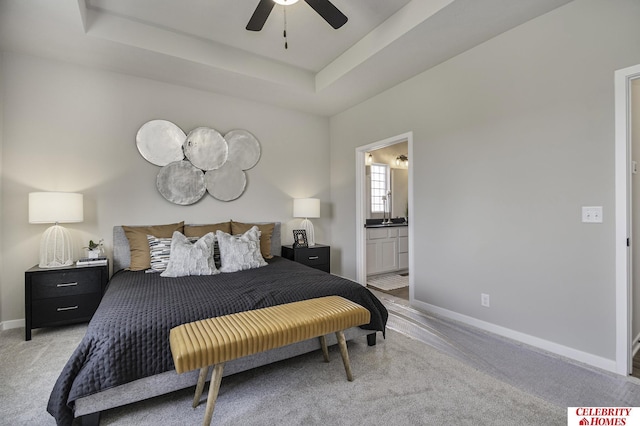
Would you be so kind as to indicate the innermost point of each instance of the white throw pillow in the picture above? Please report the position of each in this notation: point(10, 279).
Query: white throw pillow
point(191, 258)
point(240, 252)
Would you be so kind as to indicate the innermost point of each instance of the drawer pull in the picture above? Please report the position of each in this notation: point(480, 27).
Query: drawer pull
point(68, 308)
point(66, 284)
point(313, 257)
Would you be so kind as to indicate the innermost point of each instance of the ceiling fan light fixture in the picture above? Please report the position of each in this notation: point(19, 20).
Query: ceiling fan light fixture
point(324, 8)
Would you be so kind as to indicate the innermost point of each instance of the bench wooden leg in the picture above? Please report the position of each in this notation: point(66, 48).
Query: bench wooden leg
point(325, 351)
point(345, 354)
point(214, 387)
point(202, 378)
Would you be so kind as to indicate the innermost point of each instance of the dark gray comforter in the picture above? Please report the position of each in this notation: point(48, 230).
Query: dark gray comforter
point(128, 337)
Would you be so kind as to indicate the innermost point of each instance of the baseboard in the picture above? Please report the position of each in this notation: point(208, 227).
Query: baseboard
point(8, 325)
point(555, 348)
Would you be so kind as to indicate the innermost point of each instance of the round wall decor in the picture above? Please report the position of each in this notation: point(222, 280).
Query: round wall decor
point(160, 142)
point(205, 148)
point(181, 183)
point(226, 183)
point(213, 163)
point(244, 149)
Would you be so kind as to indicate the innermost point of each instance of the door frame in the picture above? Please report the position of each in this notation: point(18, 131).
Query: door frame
point(361, 206)
point(622, 90)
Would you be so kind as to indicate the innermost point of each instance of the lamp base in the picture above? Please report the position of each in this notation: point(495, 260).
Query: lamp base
point(308, 228)
point(55, 248)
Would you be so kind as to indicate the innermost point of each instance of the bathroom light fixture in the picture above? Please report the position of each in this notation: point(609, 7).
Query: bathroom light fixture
point(402, 160)
point(370, 159)
point(307, 208)
point(286, 2)
point(55, 207)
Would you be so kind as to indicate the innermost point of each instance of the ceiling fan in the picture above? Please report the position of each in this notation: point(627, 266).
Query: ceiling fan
point(324, 8)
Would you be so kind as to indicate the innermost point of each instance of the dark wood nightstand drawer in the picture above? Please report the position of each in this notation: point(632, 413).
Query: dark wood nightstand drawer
point(64, 295)
point(65, 283)
point(312, 256)
point(318, 256)
point(60, 310)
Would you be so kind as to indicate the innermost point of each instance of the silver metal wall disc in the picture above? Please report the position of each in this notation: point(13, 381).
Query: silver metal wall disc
point(181, 183)
point(226, 183)
point(205, 148)
point(244, 148)
point(160, 142)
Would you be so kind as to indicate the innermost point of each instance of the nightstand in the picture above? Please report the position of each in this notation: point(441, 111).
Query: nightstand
point(59, 296)
point(318, 256)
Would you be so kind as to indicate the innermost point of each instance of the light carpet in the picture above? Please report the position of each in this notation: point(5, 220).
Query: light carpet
point(388, 281)
point(399, 381)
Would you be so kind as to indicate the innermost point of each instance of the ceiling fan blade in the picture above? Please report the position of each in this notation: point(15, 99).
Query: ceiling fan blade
point(329, 12)
point(260, 15)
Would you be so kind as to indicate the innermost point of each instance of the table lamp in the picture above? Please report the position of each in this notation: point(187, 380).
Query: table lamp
point(307, 208)
point(55, 207)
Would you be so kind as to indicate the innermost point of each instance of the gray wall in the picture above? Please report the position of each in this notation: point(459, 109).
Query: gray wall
point(1, 173)
point(510, 139)
point(70, 128)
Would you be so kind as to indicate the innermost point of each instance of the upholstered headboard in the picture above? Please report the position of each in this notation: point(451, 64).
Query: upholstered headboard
point(122, 254)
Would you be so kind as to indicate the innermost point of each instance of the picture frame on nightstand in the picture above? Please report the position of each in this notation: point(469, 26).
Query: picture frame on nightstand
point(300, 238)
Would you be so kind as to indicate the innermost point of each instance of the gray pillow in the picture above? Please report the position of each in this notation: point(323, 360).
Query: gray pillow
point(240, 252)
point(191, 258)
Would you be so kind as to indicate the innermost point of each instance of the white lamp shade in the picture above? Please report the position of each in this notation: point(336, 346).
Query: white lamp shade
point(306, 207)
point(55, 207)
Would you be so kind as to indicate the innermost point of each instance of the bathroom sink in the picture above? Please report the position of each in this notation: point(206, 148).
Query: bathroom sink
point(385, 225)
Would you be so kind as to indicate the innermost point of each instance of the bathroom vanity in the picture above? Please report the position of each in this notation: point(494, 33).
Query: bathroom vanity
point(387, 247)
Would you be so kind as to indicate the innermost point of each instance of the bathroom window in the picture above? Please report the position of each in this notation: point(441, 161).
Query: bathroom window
point(379, 186)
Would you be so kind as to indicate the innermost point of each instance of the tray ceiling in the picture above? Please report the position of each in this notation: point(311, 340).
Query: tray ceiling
point(204, 44)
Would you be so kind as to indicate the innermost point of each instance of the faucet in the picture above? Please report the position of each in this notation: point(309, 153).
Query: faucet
point(387, 201)
point(384, 209)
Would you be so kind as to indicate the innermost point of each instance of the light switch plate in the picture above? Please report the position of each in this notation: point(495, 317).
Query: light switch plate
point(592, 214)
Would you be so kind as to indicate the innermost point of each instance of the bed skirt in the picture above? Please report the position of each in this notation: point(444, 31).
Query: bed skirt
point(171, 381)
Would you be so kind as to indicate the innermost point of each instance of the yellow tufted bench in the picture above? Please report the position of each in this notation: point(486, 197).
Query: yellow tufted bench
point(213, 341)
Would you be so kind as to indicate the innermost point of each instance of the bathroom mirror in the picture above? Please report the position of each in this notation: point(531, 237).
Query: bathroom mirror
point(396, 180)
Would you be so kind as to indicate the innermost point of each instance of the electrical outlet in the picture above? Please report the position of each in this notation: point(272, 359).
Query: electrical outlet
point(592, 214)
point(484, 300)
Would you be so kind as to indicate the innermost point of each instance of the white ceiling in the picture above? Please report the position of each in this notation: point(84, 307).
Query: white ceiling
point(204, 44)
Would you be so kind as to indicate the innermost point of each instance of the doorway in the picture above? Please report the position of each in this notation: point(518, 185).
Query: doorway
point(624, 82)
point(403, 207)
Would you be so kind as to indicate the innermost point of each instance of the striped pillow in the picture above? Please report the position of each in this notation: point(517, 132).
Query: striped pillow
point(159, 251)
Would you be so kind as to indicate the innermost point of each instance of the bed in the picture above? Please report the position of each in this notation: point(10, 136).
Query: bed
point(124, 356)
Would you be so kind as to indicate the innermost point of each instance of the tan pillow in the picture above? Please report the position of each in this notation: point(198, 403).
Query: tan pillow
point(202, 230)
point(266, 230)
point(139, 245)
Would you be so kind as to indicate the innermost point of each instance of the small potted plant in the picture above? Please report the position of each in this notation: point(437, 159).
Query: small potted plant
point(94, 249)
